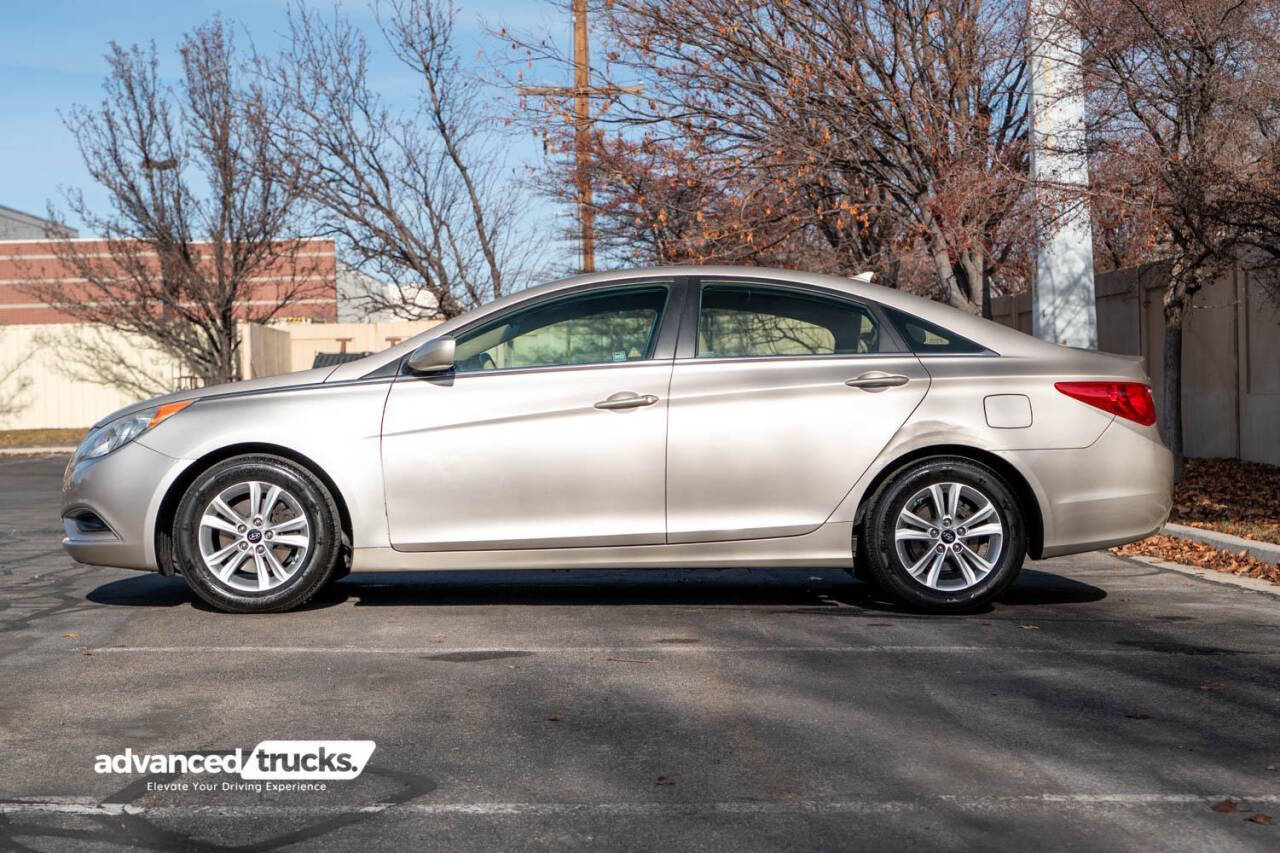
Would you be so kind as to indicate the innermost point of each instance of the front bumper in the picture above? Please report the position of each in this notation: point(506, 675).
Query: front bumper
point(124, 490)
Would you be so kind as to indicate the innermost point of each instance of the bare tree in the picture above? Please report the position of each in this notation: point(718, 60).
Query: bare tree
point(1184, 97)
point(839, 134)
point(414, 196)
point(200, 215)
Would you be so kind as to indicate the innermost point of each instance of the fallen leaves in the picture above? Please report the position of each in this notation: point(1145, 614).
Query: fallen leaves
point(1230, 806)
point(1241, 498)
point(665, 780)
point(1138, 716)
point(1198, 554)
point(554, 718)
point(1228, 495)
point(1213, 687)
point(71, 635)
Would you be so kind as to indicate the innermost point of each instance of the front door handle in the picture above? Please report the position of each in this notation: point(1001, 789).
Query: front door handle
point(626, 400)
point(877, 380)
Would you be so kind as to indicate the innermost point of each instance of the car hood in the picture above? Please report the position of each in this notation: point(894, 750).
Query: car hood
point(264, 383)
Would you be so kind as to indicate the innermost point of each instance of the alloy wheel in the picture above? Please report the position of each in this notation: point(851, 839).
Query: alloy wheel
point(949, 536)
point(254, 536)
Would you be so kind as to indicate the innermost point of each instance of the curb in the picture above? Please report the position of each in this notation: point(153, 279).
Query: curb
point(36, 451)
point(1265, 551)
point(1213, 575)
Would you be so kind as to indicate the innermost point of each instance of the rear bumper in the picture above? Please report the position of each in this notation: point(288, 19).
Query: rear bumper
point(123, 490)
point(1116, 490)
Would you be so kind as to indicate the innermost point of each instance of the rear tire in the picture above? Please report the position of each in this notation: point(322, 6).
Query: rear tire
point(944, 535)
point(257, 534)
point(861, 561)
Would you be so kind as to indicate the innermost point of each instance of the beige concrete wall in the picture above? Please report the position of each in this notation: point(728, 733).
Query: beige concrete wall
point(56, 397)
point(1259, 356)
point(264, 351)
point(307, 339)
point(1230, 354)
point(60, 394)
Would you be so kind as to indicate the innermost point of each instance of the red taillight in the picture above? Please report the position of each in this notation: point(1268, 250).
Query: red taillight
point(1130, 400)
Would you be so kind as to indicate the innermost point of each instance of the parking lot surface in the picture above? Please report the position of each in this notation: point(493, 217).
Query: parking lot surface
point(1102, 704)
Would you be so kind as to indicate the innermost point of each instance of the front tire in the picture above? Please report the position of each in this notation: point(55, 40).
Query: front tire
point(257, 534)
point(944, 535)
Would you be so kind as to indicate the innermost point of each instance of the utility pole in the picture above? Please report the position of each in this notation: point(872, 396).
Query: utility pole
point(1063, 307)
point(582, 93)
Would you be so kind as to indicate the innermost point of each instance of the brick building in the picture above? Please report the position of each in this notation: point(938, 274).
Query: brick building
point(26, 257)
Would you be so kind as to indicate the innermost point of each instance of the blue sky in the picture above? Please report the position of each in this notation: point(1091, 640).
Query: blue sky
point(51, 57)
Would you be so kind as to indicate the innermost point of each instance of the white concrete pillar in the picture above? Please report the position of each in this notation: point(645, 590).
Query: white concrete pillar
point(1063, 306)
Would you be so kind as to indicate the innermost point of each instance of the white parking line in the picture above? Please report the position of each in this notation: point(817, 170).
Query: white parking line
point(690, 649)
point(499, 809)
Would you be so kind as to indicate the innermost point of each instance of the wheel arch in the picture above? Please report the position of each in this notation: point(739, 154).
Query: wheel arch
point(1017, 481)
point(173, 496)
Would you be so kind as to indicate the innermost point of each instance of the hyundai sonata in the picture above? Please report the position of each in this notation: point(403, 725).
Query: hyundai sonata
point(668, 418)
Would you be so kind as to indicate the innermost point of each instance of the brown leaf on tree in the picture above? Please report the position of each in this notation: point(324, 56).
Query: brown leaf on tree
point(786, 141)
point(1226, 806)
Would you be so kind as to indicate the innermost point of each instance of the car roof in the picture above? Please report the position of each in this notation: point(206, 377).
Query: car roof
point(997, 338)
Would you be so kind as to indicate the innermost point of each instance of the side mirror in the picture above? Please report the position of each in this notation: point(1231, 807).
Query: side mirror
point(434, 356)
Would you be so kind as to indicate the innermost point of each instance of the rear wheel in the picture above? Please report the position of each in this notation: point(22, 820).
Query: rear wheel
point(945, 535)
point(257, 534)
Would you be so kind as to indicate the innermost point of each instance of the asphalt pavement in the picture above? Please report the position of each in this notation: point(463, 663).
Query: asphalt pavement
point(1103, 704)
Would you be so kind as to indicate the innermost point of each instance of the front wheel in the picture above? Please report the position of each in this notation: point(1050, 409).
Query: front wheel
point(944, 535)
point(257, 534)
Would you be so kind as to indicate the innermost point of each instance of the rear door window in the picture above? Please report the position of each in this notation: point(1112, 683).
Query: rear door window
point(747, 320)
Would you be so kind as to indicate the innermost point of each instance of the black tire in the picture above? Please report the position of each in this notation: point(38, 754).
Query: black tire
point(884, 566)
point(324, 556)
point(861, 561)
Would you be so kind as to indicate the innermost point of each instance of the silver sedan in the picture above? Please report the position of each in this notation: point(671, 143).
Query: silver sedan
point(665, 418)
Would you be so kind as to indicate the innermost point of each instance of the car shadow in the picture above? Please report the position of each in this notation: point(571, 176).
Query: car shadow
point(802, 590)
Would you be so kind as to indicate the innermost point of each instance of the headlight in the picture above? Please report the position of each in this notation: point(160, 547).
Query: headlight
point(116, 434)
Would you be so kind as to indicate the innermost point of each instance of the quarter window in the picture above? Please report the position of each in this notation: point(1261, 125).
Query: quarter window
point(925, 338)
point(741, 321)
point(594, 328)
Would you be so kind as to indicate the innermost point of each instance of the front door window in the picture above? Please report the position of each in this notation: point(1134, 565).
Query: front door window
point(600, 327)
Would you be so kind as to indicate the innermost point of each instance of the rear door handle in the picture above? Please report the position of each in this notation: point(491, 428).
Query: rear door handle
point(876, 380)
point(626, 400)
